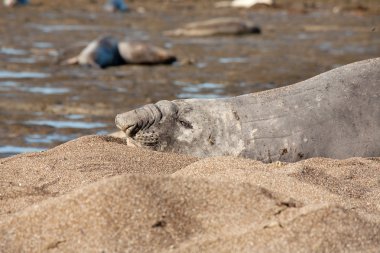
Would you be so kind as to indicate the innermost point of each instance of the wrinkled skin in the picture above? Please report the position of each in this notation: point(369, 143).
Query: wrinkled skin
point(178, 126)
point(335, 114)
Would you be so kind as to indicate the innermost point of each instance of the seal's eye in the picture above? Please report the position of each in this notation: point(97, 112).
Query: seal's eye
point(185, 123)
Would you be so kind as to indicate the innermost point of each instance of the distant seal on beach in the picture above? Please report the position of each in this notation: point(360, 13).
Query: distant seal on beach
point(116, 5)
point(216, 26)
point(335, 114)
point(244, 3)
point(108, 51)
point(11, 3)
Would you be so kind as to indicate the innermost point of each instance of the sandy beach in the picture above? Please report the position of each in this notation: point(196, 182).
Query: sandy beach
point(44, 104)
point(90, 192)
point(95, 194)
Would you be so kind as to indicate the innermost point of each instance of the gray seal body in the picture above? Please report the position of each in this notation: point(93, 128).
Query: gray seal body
point(335, 114)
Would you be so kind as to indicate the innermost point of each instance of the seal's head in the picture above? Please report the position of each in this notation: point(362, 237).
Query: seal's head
point(144, 126)
point(164, 126)
point(182, 126)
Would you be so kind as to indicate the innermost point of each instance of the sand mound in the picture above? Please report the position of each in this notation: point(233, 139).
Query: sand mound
point(26, 179)
point(95, 194)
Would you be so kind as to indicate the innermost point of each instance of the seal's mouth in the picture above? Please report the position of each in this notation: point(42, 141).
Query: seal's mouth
point(137, 134)
point(129, 130)
point(145, 139)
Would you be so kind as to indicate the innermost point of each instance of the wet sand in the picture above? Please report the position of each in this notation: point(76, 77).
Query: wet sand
point(43, 104)
point(95, 194)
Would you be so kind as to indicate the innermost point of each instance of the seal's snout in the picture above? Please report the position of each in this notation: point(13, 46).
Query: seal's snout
point(128, 123)
point(143, 118)
point(120, 121)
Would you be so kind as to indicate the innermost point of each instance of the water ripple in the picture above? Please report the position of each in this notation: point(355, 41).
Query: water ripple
point(11, 74)
point(66, 124)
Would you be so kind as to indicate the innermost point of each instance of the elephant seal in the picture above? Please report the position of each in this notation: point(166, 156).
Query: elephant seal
point(216, 26)
point(108, 51)
point(335, 114)
point(11, 3)
point(116, 5)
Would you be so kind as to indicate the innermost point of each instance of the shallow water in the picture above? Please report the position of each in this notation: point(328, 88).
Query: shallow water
point(12, 51)
point(43, 104)
point(10, 74)
point(42, 45)
point(9, 86)
point(45, 90)
point(74, 116)
point(66, 124)
point(61, 28)
point(13, 150)
point(22, 60)
point(233, 60)
point(200, 90)
point(48, 138)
